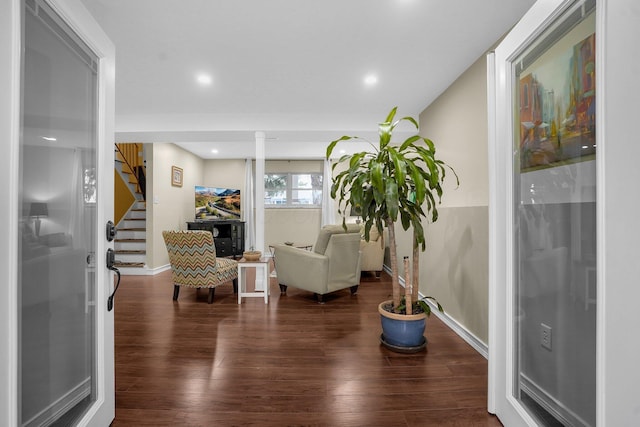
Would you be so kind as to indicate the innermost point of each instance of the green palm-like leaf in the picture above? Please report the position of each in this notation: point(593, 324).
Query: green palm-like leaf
point(391, 199)
point(418, 182)
point(355, 160)
point(430, 144)
point(410, 119)
point(405, 219)
point(376, 168)
point(409, 142)
point(391, 115)
point(399, 165)
point(384, 130)
point(334, 143)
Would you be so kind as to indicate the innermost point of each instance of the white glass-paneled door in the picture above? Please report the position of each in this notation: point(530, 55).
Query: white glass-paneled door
point(60, 333)
point(544, 297)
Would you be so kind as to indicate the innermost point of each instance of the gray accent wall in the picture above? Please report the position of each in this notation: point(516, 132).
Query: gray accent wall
point(456, 266)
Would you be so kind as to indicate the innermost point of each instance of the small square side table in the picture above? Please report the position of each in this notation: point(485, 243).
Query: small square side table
point(262, 267)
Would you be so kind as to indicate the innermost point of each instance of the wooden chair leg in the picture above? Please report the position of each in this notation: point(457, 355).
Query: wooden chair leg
point(283, 289)
point(176, 291)
point(320, 299)
point(235, 285)
point(354, 290)
point(211, 292)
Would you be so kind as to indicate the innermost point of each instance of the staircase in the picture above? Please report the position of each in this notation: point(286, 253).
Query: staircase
point(131, 243)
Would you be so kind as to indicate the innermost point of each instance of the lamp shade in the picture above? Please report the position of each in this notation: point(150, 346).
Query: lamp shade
point(38, 209)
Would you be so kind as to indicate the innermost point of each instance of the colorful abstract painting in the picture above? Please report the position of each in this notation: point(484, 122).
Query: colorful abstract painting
point(557, 114)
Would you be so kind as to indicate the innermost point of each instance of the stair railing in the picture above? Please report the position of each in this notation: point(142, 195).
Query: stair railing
point(133, 163)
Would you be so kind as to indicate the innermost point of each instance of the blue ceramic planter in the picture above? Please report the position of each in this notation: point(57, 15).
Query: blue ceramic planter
point(402, 331)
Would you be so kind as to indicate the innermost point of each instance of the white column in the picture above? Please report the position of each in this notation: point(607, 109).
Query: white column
point(259, 203)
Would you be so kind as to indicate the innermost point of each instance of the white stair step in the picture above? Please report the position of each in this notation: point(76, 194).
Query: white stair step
point(128, 233)
point(137, 214)
point(121, 251)
point(134, 223)
point(131, 245)
point(128, 258)
point(129, 267)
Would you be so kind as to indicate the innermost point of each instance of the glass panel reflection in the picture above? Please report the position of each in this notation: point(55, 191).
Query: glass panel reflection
point(58, 195)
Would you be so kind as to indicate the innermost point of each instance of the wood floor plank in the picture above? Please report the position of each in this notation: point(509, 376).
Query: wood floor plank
point(452, 418)
point(292, 419)
point(292, 362)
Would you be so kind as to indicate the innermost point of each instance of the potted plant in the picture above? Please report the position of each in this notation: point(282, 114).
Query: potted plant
point(395, 182)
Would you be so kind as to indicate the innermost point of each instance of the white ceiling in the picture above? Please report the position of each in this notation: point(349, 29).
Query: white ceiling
point(291, 68)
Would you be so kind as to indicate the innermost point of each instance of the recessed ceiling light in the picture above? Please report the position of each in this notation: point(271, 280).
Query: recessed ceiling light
point(370, 80)
point(49, 138)
point(204, 79)
point(214, 151)
point(342, 151)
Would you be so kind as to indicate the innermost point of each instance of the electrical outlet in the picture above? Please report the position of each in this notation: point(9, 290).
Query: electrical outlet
point(545, 336)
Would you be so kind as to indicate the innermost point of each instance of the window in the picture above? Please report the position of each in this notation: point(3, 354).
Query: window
point(275, 189)
point(293, 190)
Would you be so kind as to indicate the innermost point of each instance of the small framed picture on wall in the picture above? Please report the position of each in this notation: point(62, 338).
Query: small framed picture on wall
point(176, 176)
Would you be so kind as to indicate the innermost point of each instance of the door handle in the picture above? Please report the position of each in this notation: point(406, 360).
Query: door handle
point(111, 260)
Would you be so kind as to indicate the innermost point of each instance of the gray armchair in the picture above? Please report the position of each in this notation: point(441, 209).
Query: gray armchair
point(334, 263)
point(373, 252)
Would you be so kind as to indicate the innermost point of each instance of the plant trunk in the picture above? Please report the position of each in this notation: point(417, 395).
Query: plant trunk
point(393, 257)
point(416, 269)
point(408, 287)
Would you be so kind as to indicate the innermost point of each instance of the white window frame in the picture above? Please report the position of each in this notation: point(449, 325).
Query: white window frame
point(288, 204)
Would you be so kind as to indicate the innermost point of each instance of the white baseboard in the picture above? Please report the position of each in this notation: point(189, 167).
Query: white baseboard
point(154, 271)
point(463, 332)
point(145, 271)
point(453, 324)
point(61, 406)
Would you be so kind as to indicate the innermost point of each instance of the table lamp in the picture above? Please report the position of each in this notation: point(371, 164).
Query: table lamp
point(38, 210)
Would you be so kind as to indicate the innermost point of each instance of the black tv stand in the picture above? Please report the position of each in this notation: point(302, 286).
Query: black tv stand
point(228, 235)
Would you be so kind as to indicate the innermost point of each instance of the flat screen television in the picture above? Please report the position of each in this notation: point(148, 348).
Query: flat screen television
point(217, 203)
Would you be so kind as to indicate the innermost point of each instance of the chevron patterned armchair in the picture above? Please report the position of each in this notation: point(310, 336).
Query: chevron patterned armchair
point(192, 255)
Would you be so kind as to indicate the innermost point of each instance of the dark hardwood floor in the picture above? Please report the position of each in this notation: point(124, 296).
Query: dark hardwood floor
point(292, 362)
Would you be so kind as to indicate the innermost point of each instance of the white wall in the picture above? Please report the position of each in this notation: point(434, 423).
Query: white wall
point(296, 225)
point(225, 173)
point(168, 207)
